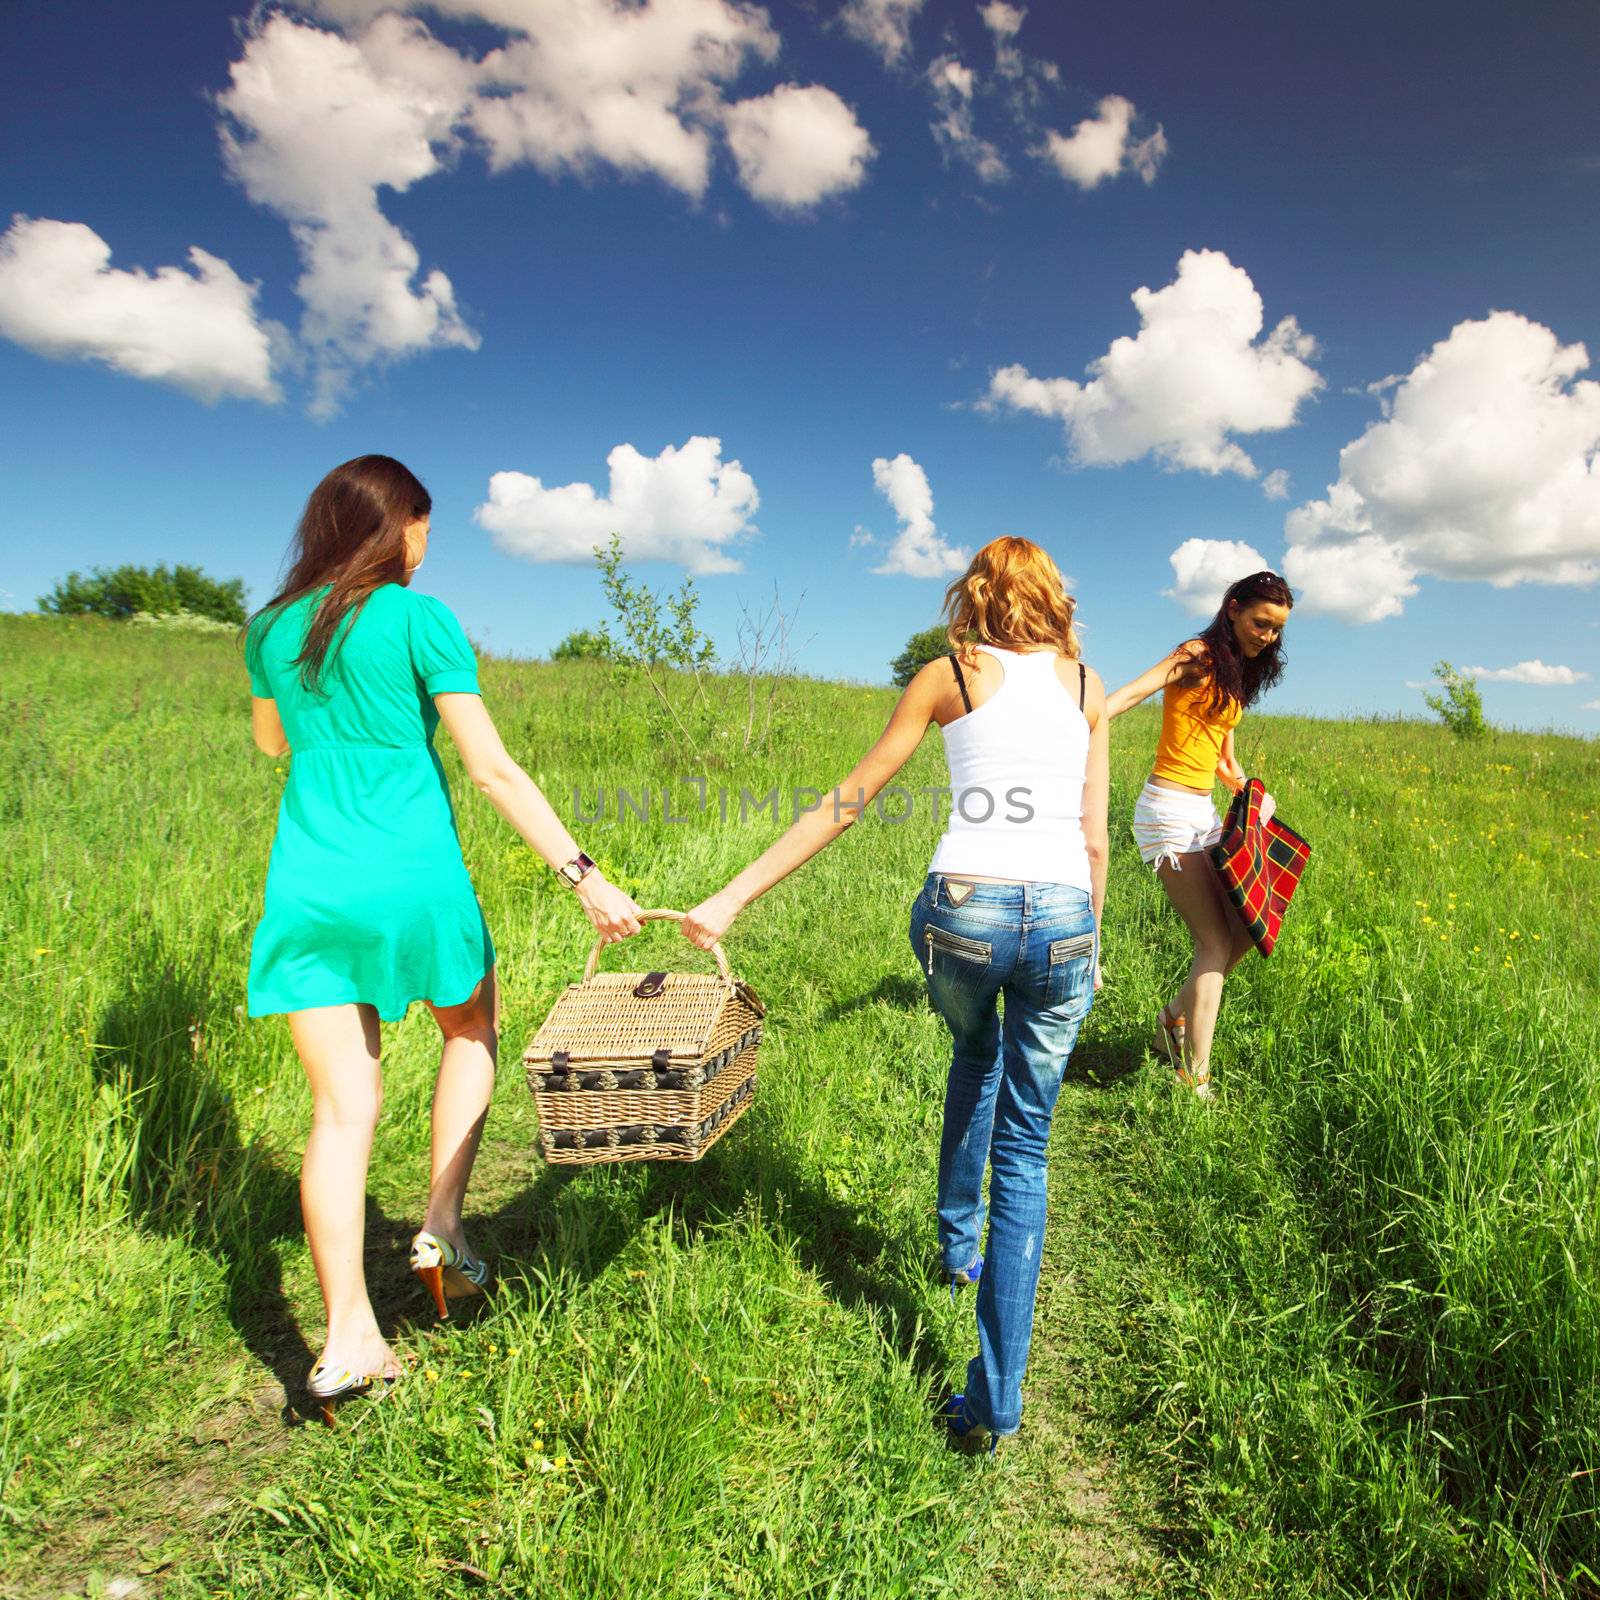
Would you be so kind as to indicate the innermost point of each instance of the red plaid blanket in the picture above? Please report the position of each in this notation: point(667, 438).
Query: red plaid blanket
point(1259, 863)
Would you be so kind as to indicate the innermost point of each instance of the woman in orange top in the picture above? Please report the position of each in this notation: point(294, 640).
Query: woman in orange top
point(1207, 682)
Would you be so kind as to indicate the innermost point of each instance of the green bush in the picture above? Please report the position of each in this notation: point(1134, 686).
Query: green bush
point(122, 592)
point(582, 644)
point(1460, 706)
point(921, 648)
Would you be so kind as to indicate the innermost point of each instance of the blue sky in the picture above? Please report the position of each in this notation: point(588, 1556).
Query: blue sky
point(829, 236)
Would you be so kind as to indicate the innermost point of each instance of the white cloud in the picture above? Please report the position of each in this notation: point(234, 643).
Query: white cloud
point(635, 87)
point(1362, 580)
point(952, 86)
point(1485, 465)
point(1102, 146)
point(1004, 22)
point(581, 84)
point(1534, 671)
point(884, 25)
point(1591, 705)
point(919, 549)
point(797, 146)
point(1275, 486)
point(1197, 372)
point(197, 329)
point(1202, 570)
point(686, 505)
point(318, 120)
point(315, 127)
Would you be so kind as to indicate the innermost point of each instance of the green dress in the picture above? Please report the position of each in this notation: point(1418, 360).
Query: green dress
point(367, 896)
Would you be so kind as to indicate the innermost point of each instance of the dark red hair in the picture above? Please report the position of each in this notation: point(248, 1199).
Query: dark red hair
point(352, 536)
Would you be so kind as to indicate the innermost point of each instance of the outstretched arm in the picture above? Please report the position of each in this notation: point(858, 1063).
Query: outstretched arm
point(1141, 688)
point(1096, 795)
point(840, 807)
point(521, 802)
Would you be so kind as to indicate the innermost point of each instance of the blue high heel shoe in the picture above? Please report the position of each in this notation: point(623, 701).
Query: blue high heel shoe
point(962, 1433)
point(965, 1277)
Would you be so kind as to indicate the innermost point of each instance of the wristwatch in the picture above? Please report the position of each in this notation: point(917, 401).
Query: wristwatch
point(576, 870)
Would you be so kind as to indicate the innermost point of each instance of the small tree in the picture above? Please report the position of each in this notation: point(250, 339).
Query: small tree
point(921, 648)
point(1460, 706)
point(582, 644)
point(125, 591)
point(656, 636)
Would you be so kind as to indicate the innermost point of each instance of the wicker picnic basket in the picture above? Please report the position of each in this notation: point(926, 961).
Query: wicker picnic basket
point(644, 1066)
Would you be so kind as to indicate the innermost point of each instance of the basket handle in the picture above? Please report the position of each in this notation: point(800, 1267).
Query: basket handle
point(661, 914)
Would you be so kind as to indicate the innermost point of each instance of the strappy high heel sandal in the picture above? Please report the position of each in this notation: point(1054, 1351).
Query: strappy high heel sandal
point(328, 1385)
point(447, 1273)
point(1172, 1041)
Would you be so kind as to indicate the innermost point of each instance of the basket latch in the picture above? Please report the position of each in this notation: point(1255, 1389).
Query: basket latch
point(650, 985)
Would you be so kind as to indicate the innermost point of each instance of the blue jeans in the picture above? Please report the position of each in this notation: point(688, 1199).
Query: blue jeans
point(1036, 943)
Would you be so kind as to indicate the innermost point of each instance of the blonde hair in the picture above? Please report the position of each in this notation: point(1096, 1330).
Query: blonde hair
point(1011, 595)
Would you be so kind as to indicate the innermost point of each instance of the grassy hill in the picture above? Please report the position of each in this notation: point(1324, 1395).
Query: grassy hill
point(1337, 1335)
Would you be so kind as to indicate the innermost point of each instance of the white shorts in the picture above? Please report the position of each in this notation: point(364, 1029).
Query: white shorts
point(1169, 823)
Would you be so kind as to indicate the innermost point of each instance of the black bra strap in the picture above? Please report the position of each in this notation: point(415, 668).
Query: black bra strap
point(1083, 679)
point(966, 699)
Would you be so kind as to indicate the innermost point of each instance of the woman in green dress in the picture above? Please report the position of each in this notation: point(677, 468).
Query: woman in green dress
point(368, 903)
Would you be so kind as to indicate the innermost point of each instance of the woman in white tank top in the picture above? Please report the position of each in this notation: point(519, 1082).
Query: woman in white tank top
point(1011, 904)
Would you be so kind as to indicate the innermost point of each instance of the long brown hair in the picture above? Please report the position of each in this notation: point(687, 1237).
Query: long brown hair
point(352, 536)
point(1012, 595)
point(1220, 665)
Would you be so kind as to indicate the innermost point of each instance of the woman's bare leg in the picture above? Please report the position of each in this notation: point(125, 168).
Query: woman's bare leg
point(461, 1103)
point(1191, 891)
point(339, 1049)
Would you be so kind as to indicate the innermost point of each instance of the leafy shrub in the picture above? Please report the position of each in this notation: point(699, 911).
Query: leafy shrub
point(660, 646)
point(583, 644)
point(921, 648)
point(1460, 706)
point(122, 592)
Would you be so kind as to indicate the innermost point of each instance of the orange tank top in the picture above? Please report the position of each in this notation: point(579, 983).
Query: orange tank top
point(1191, 735)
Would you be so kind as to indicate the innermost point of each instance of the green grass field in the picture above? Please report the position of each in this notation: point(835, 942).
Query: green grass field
point(1338, 1334)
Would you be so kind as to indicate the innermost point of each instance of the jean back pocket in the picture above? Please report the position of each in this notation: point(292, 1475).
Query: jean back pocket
point(978, 951)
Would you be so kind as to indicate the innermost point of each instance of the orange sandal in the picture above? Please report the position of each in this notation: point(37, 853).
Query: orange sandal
point(1172, 1041)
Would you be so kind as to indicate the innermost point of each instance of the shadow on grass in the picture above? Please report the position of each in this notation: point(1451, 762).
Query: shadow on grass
point(853, 1259)
point(1104, 1063)
point(905, 994)
point(192, 1175)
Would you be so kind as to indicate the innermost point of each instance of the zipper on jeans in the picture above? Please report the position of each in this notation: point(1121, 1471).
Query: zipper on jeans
point(1080, 944)
point(956, 945)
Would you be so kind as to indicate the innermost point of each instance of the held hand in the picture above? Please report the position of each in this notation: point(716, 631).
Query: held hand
point(709, 920)
point(1269, 807)
point(615, 915)
point(1232, 775)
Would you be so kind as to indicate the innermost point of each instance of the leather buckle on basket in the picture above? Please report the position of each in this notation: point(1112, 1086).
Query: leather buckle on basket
point(649, 986)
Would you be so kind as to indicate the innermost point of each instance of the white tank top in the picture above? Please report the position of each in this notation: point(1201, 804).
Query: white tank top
point(1017, 765)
